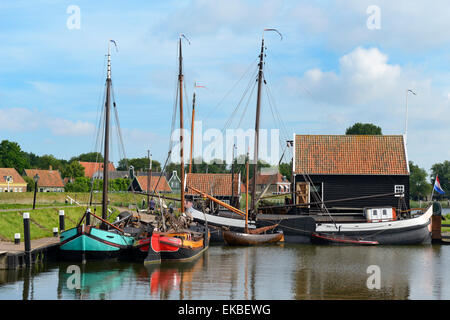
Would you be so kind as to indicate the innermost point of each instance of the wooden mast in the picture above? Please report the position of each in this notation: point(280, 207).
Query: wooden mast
point(149, 179)
point(180, 81)
point(106, 147)
point(232, 178)
point(246, 196)
point(258, 111)
point(192, 132)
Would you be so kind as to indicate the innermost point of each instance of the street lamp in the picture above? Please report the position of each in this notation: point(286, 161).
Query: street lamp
point(36, 179)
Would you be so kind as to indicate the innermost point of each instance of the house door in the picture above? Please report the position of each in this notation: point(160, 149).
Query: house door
point(302, 192)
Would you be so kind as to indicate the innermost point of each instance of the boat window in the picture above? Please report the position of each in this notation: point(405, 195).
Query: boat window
point(384, 212)
point(375, 212)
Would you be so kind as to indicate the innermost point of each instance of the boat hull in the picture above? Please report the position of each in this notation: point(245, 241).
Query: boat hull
point(246, 239)
point(216, 223)
point(399, 232)
point(178, 247)
point(89, 243)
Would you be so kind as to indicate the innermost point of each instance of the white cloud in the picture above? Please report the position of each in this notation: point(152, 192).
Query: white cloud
point(70, 128)
point(26, 120)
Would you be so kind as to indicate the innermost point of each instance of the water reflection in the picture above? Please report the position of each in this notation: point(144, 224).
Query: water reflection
point(271, 273)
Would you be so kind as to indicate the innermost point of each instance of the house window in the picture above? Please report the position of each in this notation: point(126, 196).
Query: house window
point(399, 190)
point(20, 189)
point(1, 189)
point(15, 189)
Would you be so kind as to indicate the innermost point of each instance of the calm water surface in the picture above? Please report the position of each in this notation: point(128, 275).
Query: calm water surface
point(272, 272)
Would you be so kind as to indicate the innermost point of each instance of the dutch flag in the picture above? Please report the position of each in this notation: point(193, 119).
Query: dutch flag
point(437, 186)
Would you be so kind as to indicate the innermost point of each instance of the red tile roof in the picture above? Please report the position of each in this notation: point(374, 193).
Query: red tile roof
point(91, 167)
point(350, 154)
point(17, 178)
point(268, 178)
point(163, 185)
point(214, 184)
point(47, 178)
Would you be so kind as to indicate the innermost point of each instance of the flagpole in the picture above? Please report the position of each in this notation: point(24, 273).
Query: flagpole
point(432, 190)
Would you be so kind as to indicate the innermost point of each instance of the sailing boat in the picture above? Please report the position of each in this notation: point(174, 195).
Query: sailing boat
point(234, 224)
point(86, 241)
point(255, 237)
point(175, 245)
point(304, 228)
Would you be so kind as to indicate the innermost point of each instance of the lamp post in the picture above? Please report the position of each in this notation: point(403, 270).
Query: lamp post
point(36, 179)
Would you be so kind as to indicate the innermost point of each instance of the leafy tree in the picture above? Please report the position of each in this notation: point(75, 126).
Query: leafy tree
point(80, 184)
point(73, 170)
point(286, 170)
point(47, 160)
point(30, 183)
point(139, 164)
point(363, 129)
point(418, 185)
point(12, 156)
point(88, 157)
point(443, 171)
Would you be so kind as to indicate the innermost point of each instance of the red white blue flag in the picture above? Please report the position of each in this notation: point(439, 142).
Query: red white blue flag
point(437, 186)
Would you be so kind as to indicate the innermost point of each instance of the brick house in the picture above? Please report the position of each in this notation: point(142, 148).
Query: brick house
point(49, 180)
point(11, 181)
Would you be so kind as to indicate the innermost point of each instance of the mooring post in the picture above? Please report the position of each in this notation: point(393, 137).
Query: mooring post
point(16, 238)
point(61, 221)
point(27, 237)
point(88, 217)
point(55, 231)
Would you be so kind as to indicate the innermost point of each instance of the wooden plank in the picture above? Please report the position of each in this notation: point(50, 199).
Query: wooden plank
point(10, 247)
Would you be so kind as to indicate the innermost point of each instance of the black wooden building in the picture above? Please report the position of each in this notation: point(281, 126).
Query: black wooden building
point(359, 171)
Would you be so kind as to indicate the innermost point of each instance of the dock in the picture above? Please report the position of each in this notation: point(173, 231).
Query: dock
point(13, 256)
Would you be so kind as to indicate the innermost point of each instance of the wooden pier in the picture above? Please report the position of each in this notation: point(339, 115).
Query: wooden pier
point(13, 256)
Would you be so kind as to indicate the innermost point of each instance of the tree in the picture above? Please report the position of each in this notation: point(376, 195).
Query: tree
point(30, 183)
point(418, 185)
point(81, 184)
point(88, 157)
point(286, 170)
point(73, 170)
point(443, 171)
point(11, 156)
point(44, 162)
point(139, 164)
point(363, 129)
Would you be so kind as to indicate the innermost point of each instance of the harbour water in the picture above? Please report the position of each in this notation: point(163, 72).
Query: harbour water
point(288, 272)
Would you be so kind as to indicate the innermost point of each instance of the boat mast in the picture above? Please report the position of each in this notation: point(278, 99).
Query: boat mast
point(180, 81)
point(232, 177)
point(106, 150)
point(149, 179)
point(192, 131)
point(246, 195)
point(258, 111)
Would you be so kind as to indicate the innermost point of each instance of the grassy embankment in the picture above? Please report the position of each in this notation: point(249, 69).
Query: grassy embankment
point(46, 215)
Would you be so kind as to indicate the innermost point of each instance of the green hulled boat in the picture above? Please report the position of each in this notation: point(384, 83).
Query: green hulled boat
point(92, 243)
point(86, 241)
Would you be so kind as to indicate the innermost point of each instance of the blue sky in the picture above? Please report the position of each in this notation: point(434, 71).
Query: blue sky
point(328, 72)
